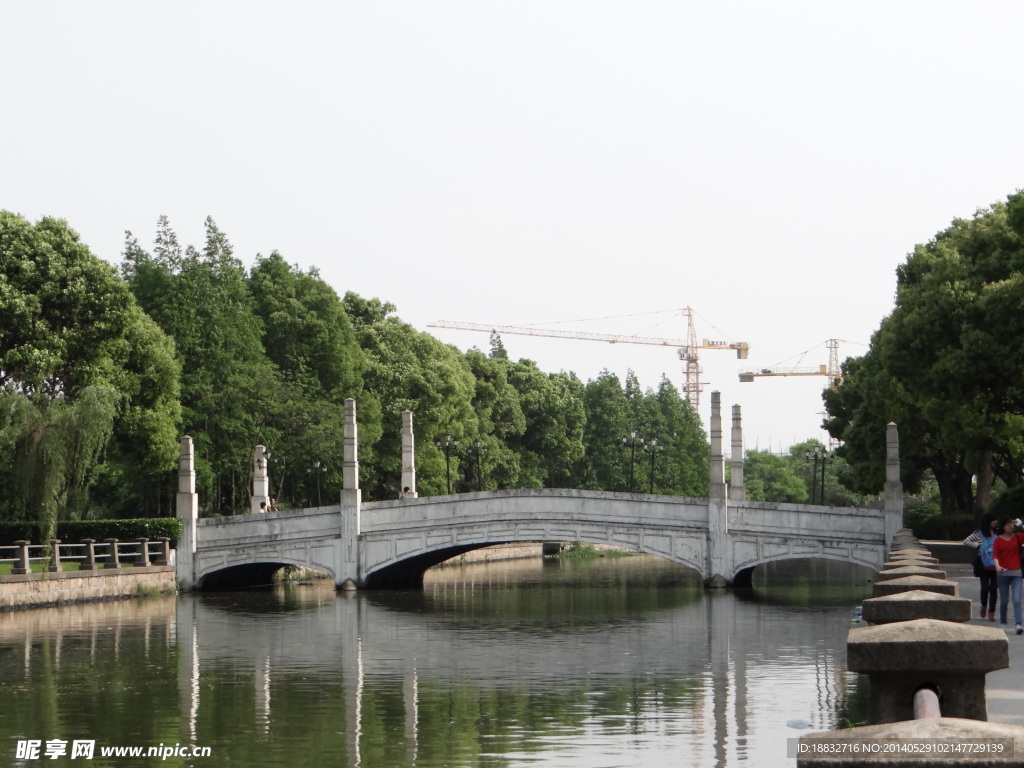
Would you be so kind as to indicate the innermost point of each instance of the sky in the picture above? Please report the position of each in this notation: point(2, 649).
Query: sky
point(538, 163)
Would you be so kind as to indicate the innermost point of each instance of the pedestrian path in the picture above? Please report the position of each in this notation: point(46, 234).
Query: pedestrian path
point(1004, 688)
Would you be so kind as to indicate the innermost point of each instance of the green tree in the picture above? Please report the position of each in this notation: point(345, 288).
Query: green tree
point(79, 363)
point(946, 361)
point(608, 421)
point(768, 477)
point(201, 298)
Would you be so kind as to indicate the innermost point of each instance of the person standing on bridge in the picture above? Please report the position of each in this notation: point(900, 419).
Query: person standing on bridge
point(984, 567)
point(1006, 556)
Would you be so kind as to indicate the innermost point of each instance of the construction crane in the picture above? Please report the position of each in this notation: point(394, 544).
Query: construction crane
point(831, 370)
point(688, 347)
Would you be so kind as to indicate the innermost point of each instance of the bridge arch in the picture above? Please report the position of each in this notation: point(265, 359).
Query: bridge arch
point(406, 571)
point(258, 572)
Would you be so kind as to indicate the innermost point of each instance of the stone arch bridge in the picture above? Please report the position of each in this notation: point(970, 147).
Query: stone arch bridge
point(390, 544)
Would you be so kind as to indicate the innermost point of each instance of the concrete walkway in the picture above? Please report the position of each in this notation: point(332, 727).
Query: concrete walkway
point(1004, 688)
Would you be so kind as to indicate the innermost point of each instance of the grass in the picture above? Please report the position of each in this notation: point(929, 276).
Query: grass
point(587, 552)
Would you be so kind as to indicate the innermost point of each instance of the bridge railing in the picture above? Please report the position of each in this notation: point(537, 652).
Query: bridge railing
point(87, 556)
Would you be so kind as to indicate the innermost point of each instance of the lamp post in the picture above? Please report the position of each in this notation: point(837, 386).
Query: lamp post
point(825, 457)
point(480, 449)
point(316, 469)
point(632, 455)
point(447, 447)
point(654, 448)
point(814, 472)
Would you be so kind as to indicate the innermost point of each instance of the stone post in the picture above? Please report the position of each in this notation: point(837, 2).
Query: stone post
point(113, 559)
point(901, 657)
point(90, 555)
point(143, 561)
point(351, 501)
point(260, 480)
point(893, 486)
point(165, 552)
point(408, 458)
point(54, 565)
point(719, 573)
point(24, 564)
point(187, 506)
point(737, 490)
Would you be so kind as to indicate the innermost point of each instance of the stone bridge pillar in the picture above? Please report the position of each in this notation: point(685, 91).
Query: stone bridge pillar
point(737, 490)
point(719, 570)
point(260, 480)
point(893, 485)
point(187, 510)
point(408, 458)
point(348, 545)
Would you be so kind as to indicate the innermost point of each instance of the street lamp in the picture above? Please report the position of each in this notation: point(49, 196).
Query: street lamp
point(654, 448)
point(447, 446)
point(316, 470)
point(632, 455)
point(821, 454)
point(480, 450)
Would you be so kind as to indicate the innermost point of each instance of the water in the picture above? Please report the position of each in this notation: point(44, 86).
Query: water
point(600, 663)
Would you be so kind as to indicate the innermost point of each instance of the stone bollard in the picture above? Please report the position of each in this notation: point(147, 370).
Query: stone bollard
point(90, 555)
point(892, 565)
point(113, 561)
point(902, 657)
point(892, 744)
point(165, 551)
point(143, 559)
point(54, 565)
point(907, 583)
point(916, 604)
point(24, 564)
point(910, 570)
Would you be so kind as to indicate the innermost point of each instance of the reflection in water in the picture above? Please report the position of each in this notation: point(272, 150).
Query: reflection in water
point(624, 662)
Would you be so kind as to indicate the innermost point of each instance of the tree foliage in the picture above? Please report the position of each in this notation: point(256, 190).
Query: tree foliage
point(945, 366)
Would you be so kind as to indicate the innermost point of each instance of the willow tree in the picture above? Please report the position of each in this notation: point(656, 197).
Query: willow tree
point(80, 364)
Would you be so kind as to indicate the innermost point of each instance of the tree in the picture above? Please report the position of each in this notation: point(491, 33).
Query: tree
point(947, 361)
point(79, 363)
point(768, 477)
point(202, 299)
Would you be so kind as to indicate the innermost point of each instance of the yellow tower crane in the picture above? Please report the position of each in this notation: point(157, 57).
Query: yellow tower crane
point(688, 347)
point(831, 370)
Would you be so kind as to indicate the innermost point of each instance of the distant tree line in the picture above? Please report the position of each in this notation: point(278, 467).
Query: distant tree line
point(101, 370)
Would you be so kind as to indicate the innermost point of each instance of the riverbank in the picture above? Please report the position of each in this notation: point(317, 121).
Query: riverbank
point(46, 590)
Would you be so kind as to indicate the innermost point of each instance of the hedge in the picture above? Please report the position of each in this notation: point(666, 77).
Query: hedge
point(73, 531)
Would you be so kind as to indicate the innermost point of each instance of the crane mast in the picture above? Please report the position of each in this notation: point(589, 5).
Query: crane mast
point(688, 348)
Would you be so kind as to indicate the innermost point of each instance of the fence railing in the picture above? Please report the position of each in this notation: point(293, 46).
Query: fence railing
point(90, 555)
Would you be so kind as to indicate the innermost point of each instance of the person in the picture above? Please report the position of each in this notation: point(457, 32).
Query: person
point(263, 506)
point(985, 568)
point(273, 506)
point(406, 493)
point(1006, 556)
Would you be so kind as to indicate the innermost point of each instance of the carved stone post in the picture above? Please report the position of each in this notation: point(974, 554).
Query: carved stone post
point(351, 501)
point(893, 485)
point(260, 480)
point(737, 490)
point(719, 573)
point(408, 458)
point(187, 506)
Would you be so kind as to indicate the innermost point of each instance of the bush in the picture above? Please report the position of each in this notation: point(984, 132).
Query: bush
point(73, 531)
point(1009, 503)
point(927, 522)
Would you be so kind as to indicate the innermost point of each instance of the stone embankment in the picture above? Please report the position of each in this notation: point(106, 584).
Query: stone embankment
point(926, 665)
point(43, 590)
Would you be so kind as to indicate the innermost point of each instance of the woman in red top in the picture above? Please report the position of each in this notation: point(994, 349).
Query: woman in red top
point(1006, 554)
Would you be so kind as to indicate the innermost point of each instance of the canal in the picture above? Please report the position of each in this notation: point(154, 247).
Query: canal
point(588, 662)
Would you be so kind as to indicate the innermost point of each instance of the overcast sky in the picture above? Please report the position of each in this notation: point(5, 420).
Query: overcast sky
point(532, 163)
